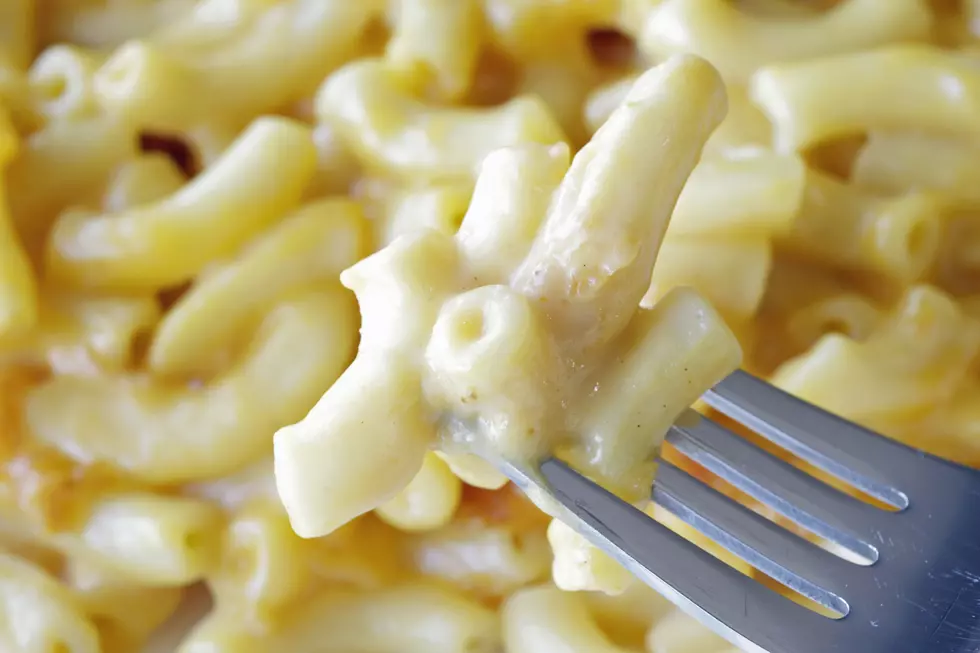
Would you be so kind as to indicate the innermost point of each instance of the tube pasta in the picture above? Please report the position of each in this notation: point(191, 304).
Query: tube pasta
point(263, 566)
point(311, 246)
point(440, 208)
point(373, 108)
point(404, 619)
point(18, 291)
point(151, 429)
point(145, 179)
point(108, 24)
point(473, 470)
point(896, 237)
point(682, 337)
point(79, 334)
point(263, 56)
point(738, 43)
point(897, 162)
point(751, 194)
point(485, 559)
point(578, 565)
point(589, 273)
point(546, 619)
point(911, 87)
point(512, 194)
point(428, 502)
point(444, 36)
point(730, 272)
point(529, 30)
point(38, 615)
point(61, 81)
point(938, 343)
point(84, 154)
point(126, 613)
point(678, 633)
point(150, 247)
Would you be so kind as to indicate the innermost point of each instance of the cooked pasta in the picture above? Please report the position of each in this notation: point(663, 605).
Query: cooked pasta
point(283, 281)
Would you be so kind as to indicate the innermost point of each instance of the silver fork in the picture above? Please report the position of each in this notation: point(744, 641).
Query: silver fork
point(912, 584)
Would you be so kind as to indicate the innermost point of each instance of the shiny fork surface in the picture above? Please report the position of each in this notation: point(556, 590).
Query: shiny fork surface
point(907, 581)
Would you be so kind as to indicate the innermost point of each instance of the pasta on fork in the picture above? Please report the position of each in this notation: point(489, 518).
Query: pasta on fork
point(283, 281)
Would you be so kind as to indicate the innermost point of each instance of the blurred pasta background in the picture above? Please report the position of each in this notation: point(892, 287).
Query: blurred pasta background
point(182, 181)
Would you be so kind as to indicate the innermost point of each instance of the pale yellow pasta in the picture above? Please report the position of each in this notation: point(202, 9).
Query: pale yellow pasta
point(488, 358)
point(38, 615)
point(18, 292)
point(730, 272)
point(145, 179)
point(604, 100)
point(442, 36)
point(682, 338)
point(324, 476)
point(438, 207)
point(531, 29)
point(739, 43)
point(311, 246)
point(909, 87)
point(263, 563)
point(404, 619)
point(626, 617)
point(578, 565)
point(487, 559)
point(428, 502)
point(106, 25)
point(849, 314)
point(250, 57)
point(749, 194)
point(745, 127)
point(17, 31)
point(125, 611)
point(152, 430)
point(473, 470)
point(937, 343)
point(336, 169)
point(375, 110)
point(59, 164)
point(512, 194)
point(842, 225)
point(678, 633)
point(83, 334)
point(547, 620)
point(896, 162)
point(564, 80)
point(61, 82)
point(256, 181)
point(590, 273)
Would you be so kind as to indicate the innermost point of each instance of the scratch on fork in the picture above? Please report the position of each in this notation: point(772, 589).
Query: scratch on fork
point(942, 620)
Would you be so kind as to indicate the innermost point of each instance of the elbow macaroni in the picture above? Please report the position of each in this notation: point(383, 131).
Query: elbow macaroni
point(191, 191)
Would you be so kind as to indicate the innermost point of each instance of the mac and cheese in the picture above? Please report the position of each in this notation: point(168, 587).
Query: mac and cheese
point(281, 281)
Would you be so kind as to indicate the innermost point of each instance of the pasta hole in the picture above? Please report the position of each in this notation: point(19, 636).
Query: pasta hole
point(60, 647)
point(52, 88)
point(468, 326)
point(174, 147)
point(611, 48)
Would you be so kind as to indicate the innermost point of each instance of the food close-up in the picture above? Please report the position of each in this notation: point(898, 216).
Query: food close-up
point(299, 297)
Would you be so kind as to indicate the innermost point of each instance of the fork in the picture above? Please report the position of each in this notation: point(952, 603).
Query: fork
point(909, 581)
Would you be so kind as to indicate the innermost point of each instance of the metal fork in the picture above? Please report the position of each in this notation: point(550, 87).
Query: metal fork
point(916, 588)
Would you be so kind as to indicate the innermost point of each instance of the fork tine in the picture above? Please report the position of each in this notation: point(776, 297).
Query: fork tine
point(851, 453)
point(797, 496)
point(771, 549)
point(733, 605)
